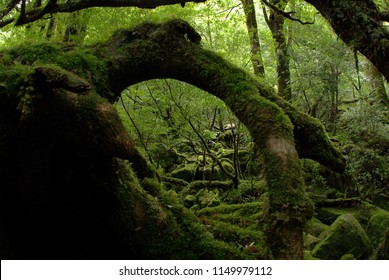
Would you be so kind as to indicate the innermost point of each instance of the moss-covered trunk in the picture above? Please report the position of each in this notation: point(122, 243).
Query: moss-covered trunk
point(56, 122)
point(360, 25)
point(172, 51)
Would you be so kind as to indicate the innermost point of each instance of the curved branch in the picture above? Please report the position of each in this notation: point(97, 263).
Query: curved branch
point(173, 50)
point(52, 7)
point(359, 25)
point(169, 52)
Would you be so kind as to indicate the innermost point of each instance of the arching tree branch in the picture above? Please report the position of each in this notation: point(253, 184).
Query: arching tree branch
point(68, 7)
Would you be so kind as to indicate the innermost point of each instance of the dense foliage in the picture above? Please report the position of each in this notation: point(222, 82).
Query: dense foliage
point(205, 158)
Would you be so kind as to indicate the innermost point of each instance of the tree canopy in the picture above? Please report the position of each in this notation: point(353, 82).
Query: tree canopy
point(358, 24)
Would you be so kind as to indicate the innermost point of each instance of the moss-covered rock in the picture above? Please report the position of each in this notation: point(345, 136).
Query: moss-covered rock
point(377, 227)
point(329, 215)
point(382, 252)
point(185, 172)
point(208, 198)
point(248, 240)
point(315, 227)
point(310, 241)
point(189, 201)
point(348, 257)
point(345, 236)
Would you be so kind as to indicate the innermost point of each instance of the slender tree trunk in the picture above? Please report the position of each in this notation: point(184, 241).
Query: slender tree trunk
point(252, 30)
point(377, 84)
point(50, 29)
point(77, 23)
point(275, 21)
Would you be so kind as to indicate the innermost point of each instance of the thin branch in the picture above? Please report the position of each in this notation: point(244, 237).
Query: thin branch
point(286, 14)
point(52, 7)
point(6, 22)
point(11, 5)
point(229, 10)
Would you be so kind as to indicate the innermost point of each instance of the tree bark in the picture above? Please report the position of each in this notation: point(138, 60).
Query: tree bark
point(68, 112)
point(276, 21)
point(357, 23)
point(360, 25)
point(377, 85)
point(252, 30)
point(289, 207)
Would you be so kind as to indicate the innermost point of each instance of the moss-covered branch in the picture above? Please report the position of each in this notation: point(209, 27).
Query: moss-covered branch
point(69, 106)
point(172, 50)
point(359, 25)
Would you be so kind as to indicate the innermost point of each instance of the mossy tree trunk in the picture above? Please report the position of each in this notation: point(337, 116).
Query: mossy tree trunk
point(252, 30)
point(173, 51)
point(276, 22)
point(54, 122)
point(360, 25)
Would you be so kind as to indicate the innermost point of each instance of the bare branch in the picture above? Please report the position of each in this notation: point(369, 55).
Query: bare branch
point(52, 7)
point(286, 14)
point(11, 5)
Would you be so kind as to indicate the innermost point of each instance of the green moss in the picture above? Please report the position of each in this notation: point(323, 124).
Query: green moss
point(348, 257)
point(345, 236)
point(208, 198)
point(201, 184)
point(310, 241)
point(240, 237)
point(189, 201)
point(80, 61)
point(151, 185)
point(377, 227)
point(185, 172)
point(246, 215)
point(246, 208)
point(36, 53)
point(315, 227)
point(162, 228)
point(382, 252)
point(329, 215)
point(308, 256)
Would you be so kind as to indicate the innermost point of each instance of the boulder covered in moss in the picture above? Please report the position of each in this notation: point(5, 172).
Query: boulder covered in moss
point(208, 198)
point(315, 227)
point(185, 172)
point(348, 257)
point(189, 201)
point(328, 215)
point(310, 241)
point(382, 252)
point(377, 227)
point(345, 236)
